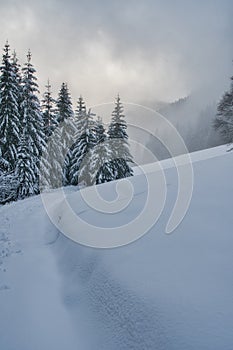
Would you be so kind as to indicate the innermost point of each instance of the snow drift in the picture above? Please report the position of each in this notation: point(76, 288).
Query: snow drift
point(160, 292)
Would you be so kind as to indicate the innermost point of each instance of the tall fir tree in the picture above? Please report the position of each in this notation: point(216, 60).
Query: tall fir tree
point(100, 130)
point(51, 173)
point(25, 170)
point(32, 116)
point(17, 71)
point(16, 67)
point(80, 170)
point(72, 165)
point(118, 137)
point(49, 111)
point(65, 117)
point(101, 155)
point(9, 112)
point(64, 104)
point(86, 143)
point(224, 119)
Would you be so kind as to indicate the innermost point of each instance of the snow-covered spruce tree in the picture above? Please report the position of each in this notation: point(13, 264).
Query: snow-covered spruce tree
point(26, 170)
point(9, 112)
point(224, 119)
point(101, 155)
point(16, 67)
point(86, 143)
point(48, 111)
point(51, 170)
point(32, 116)
point(72, 166)
point(100, 130)
point(17, 71)
point(64, 104)
point(65, 117)
point(117, 134)
point(81, 171)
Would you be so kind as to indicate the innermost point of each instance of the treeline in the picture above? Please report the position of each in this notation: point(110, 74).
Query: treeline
point(224, 119)
point(45, 144)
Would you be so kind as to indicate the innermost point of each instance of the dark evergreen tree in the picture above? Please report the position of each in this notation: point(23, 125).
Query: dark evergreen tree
point(51, 174)
point(49, 111)
point(224, 119)
point(64, 104)
point(17, 71)
point(117, 134)
point(65, 117)
point(32, 116)
point(26, 170)
point(16, 66)
point(101, 155)
point(86, 143)
point(100, 131)
point(9, 112)
point(72, 166)
point(80, 115)
point(85, 139)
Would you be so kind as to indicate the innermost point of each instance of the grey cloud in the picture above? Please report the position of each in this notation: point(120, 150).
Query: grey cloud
point(147, 50)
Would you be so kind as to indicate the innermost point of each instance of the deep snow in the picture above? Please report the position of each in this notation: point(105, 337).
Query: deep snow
point(160, 292)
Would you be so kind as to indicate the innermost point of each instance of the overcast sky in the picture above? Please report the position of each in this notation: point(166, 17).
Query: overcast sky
point(146, 50)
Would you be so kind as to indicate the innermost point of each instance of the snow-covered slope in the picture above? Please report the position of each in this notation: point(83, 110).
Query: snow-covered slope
point(160, 292)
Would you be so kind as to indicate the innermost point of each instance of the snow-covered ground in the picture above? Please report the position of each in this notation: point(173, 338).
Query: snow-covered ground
point(161, 292)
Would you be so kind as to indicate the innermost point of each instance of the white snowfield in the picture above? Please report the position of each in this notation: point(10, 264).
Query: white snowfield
point(170, 292)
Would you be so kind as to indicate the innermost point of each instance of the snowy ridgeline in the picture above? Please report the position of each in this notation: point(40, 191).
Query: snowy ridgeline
point(160, 292)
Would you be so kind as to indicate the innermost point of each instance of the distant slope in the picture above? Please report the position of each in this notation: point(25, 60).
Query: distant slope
point(193, 117)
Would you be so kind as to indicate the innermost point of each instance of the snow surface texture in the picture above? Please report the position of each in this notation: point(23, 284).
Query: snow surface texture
point(171, 292)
